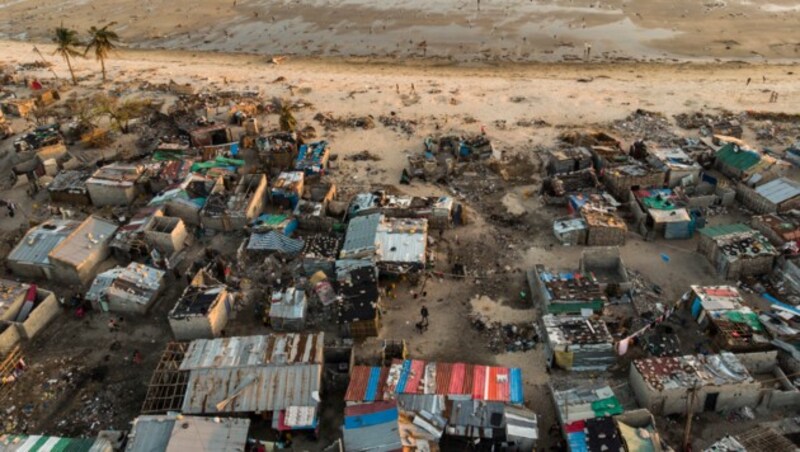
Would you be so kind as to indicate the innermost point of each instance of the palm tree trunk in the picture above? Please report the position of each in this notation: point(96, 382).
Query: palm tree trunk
point(103, 66)
point(71, 72)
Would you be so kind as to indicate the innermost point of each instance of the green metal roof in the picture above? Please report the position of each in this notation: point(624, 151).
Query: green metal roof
point(725, 229)
point(574, 308)
point(741, 159)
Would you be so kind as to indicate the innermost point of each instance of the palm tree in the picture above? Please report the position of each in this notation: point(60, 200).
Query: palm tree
point(66, 45)
point(102, 39)
point(287, 121)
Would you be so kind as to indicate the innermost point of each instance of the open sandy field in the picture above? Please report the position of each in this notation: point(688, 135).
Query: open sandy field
point(449, 30)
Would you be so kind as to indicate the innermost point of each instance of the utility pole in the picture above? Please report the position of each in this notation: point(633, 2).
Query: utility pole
point(687, 433)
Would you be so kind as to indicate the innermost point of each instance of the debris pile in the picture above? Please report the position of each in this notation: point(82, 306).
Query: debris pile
point(506, 337)
point(331, 122)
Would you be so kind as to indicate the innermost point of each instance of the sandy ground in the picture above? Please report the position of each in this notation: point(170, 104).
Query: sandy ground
point(450, 30)
point(507, 100)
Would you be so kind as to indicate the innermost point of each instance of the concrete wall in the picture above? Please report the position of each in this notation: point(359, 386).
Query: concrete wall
point(42, 314)
point(188, 213)
point(8, 339)
point(759, 362)
point(605, 236)
point(47, 310)
point(201, 327)
point(753, 201)
point(28, 271)
point(674, 401)
point(168, 242)
point(109, 195)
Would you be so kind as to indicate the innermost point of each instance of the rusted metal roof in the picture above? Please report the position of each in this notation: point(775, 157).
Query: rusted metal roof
point(252, 389)
point(367, 384)
point(253, 351)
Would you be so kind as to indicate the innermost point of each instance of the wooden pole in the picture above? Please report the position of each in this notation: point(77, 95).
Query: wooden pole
point(687, 441)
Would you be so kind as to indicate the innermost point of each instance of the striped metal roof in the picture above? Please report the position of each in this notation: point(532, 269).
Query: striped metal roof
point(39, 241)
point(779, 190)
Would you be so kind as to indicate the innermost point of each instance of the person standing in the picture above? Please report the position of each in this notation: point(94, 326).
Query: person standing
point(424, 313)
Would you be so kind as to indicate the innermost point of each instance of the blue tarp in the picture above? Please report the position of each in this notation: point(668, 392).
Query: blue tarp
point(697, 306)
point(401, 382)
point(785, 306)
point(515, 383)
point(372, 385)
point(366, 420)
point(577, 442)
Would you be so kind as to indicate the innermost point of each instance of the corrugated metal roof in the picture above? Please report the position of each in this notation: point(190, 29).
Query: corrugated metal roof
point(150, 433)
point(274, 241)
point(136, 283)
point(39, 241)
point(725, 229)
point(371, 427)
point(521, 423)
point(89, 237)
point(367, 384)
point(779, 190)
point(741, 159)
point(252, 390)
point(37, 443)
point(193, 433)
point(402, 240)
point(251, 351)
point(361, 233)
point(288, 304)
point(165, 433)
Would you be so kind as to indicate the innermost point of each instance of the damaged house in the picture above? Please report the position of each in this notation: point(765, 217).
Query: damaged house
point(25, 310)
point(277, 376)
point(657, 213)
point(401, 245)
point(779, 229)
point(168, 235)
point(720, 383)
point(231, 205)
point(558, 187)
point(131, 289)
point(114, 184)
point(586, 417)
point(69, 187)
point(312, 158)
point(278, 151)
point(566, 292)
point(620, 180)
point(732, 325)
point(129, 242)
point(678, 166)
point(211, 135)
point(30, 258)
point(603, 226)
point(187, 199)
point(287, 309)
point(736, 250)
point(777, 195)
point(358, 305)
point(76, 258)
point(287, 189)
point(563, 161)
point(319, 253)
point(578, 343)
point(203, 309)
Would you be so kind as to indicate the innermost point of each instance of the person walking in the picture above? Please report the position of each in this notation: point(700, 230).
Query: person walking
point(424, 313)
